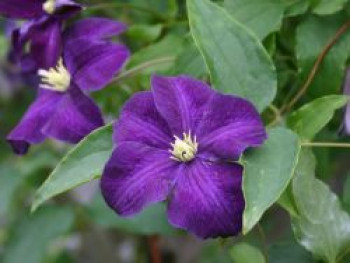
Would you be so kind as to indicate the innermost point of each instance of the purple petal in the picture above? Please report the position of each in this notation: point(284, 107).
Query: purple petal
point(140, 122)
point(25, 9)
point(44, 35)
point(181, 101)
point(94, 28)
point(207, 199)
point(66, 8)
point(75, 117)
point(29, 130)
point(94, 64)
point(135, 176)
point(229, 125)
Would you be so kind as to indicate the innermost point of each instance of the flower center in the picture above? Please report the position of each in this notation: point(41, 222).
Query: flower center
point(57, 79)
point(49, 6)
point(184, 150)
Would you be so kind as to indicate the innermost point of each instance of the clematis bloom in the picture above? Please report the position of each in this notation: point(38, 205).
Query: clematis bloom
point(42, 30)
point(62, 110)
point(181, 142)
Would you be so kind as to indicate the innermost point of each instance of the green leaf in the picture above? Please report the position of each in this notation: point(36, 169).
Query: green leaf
point(189, 61)
point(312, 117)
point(313, 34)
point(287, 201)
point(326, 7)
point(261, 16)
point(33, 234)
point(82, 164)
point(169, 46)
point(346, 193)
point(295, 7)
point(153, 220)
point(213, 251)
point(267, 172)
point(237, 61)
point(144, 33)
point(322, 227)
point(289, 253)
point(245, 253)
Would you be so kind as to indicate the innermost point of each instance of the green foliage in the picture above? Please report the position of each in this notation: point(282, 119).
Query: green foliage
point(82, 164)
point(34, 233)
point(239, 65)
point(267, 172)
point(245, 253)
point(312, 117)
point(322, 226)
point(262, 17)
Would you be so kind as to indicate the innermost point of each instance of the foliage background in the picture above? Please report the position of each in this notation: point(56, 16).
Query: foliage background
point(78, 227)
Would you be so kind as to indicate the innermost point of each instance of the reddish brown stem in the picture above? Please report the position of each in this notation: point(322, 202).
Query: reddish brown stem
point(154, 249)
point(316, 66)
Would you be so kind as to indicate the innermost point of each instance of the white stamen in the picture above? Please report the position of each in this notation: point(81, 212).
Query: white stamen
point(49, 6)
point(57, 79)
point(184, 150)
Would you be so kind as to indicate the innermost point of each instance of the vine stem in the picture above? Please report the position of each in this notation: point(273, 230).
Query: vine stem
point(325, 144)
point(141, 67)
point(126, 6)
point(316, 66)
point(263, 241)
point(154, 249)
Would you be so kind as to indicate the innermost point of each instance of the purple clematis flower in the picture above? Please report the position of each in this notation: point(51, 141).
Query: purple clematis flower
point(61, 109)
point(181, 142)
point(346, 88)
point(42, 30)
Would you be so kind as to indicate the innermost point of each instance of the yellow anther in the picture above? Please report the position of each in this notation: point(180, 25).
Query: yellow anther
point(57, 79)
point(185, 149)
point(49, 6)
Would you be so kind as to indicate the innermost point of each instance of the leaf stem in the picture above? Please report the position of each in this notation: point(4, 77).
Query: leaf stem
point(325, 144)
point(277, 117)
point(316, 66)
point(131, 72)
point(154, 249)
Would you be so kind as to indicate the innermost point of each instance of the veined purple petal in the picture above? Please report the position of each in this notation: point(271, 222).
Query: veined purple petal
point(94, 28)
point(21, 9)
point(181, 101)
point(44, 34)
point(29, 130)
point(135, 176)
point(207, 199)
point(93, 64)
point(75, 117)
point(229, 126)
point(140, 121)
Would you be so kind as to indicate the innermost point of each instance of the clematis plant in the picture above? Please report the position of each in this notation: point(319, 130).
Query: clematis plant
point(42, 30)
point(62, 110)
point(182, 142)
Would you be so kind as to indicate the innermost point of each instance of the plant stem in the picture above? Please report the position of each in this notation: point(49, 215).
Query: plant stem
point(135, 70)
point(316, 66)
point(326, 144)
point(154, 249)
point(277, 113)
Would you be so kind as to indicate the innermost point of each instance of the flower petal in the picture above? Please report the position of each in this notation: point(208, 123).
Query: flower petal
point(93, 64)
point(136, 176)
point(29, 130)
point(228, 126)
point(75, 117)
point(181, 101)
point(207, 199)
point(141, 122)
point(21, 8)
point(94, 28)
